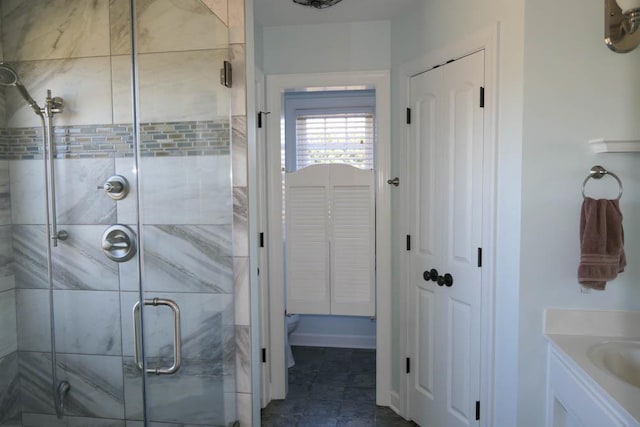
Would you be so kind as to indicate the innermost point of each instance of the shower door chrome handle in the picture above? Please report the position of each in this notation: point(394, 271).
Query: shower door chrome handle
point(177, 344)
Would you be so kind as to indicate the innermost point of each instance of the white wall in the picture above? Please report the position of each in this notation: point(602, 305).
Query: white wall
point(352, 46)
point(430, 26)
point(575, 89)
point(258, 40)
point(335, 331)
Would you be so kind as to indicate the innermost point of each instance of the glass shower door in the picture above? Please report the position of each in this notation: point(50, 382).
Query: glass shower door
point(182, 318)
point(142, 174)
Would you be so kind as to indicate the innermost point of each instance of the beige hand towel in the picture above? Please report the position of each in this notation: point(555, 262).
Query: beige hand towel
point(601, 243)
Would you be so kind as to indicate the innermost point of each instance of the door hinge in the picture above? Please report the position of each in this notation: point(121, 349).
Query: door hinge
point(260, 114)
point(408, 116)
point(477, 410)
point(264, 355)
point(481, 97)
point(408, 242)
point(261, 240)
point(226, 74)
point(479, 257)
point(408, 365)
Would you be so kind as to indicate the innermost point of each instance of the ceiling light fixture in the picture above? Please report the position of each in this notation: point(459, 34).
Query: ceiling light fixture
point(622, 25)
point(318, 4)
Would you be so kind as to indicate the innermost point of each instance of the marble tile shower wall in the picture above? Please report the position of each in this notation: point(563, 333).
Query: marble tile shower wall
point(195, 216)
point(9, 378)
point(195, 138)
point(9, 375)
point(81, 51)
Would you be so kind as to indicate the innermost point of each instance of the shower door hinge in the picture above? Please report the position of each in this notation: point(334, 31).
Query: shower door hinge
point(261, 240)
point(408, 242)
point(408, 116)
point(477, 410)
point(481, 97)
point(226, 74)
point(264, 355)
point(479, 257)
point(408, 365)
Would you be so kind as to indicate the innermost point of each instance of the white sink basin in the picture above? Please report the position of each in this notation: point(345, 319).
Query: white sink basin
point(619, 358)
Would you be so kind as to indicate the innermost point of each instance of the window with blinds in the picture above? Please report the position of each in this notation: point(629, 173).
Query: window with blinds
point(345, 138)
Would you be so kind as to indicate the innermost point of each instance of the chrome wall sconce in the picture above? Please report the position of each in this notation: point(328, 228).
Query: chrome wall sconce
point(622, 25)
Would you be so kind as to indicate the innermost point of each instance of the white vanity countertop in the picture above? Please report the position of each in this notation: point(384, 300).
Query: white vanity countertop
point(575, 348)
point(573, 332)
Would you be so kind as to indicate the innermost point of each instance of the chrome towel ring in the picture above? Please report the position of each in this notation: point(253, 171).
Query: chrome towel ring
point(598, 172)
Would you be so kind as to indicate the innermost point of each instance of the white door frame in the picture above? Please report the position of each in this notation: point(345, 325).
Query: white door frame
point(276, 86)
point(261, 213)
point(487, 40)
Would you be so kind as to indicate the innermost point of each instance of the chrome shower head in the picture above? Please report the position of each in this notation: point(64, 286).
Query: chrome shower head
point(9, 77)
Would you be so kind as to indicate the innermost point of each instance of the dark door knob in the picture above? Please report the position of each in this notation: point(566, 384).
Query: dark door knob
point(448, 280)
point(430, 275)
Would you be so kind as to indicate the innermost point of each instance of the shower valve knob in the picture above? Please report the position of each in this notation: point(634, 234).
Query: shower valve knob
point(119, 243)
point(116, 187)
point(111, 188)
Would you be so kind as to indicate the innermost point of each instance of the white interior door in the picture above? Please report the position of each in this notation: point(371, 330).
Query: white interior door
point(447, 147)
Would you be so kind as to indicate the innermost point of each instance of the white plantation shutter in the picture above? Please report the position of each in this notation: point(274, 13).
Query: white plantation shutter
point(307, 248)
point(345, 138)
point(330, 240)
point(352, 242)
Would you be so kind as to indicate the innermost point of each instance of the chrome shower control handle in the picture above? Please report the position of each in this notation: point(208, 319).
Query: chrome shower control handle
point(116, 187)
point(119, 243)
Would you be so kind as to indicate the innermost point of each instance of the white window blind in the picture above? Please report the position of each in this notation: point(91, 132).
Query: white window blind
point(345, 138)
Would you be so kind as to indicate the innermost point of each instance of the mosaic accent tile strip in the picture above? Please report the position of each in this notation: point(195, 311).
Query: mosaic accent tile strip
point(195, 138)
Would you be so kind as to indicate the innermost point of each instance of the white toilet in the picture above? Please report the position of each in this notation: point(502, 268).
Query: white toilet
point(292, 321)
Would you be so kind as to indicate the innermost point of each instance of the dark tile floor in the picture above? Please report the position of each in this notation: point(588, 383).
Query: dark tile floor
point(331, 387)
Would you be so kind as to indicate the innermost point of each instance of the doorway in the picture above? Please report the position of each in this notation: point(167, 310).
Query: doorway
point(277, 86)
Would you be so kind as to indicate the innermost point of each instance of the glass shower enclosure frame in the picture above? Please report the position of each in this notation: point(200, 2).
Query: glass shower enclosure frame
point(118, 216)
